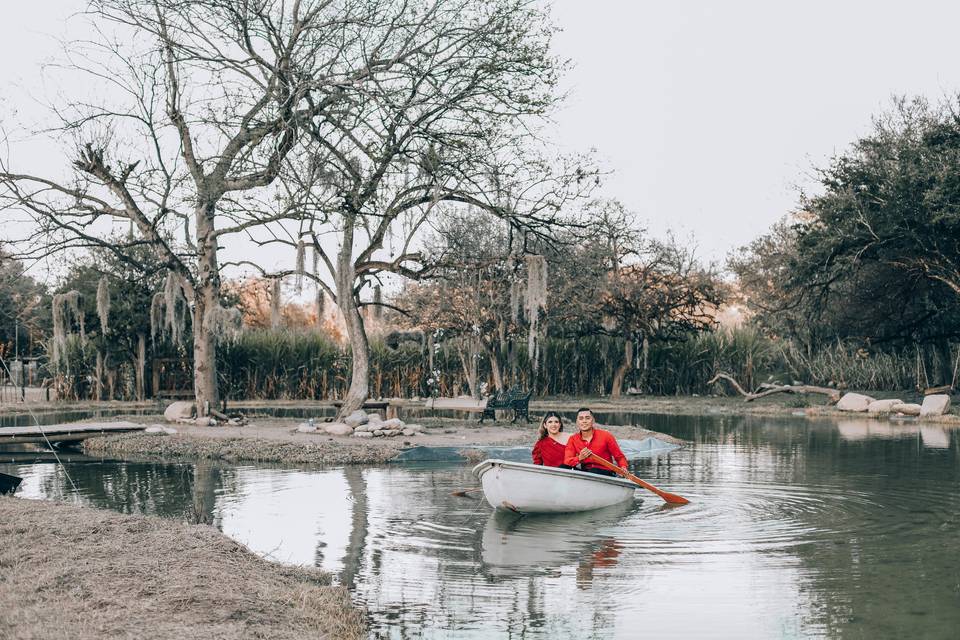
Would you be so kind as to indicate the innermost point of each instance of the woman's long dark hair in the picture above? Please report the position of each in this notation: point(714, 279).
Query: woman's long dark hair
point(542, 431)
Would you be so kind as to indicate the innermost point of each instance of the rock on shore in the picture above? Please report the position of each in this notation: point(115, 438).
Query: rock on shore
point(935, 405)
point(856, 402)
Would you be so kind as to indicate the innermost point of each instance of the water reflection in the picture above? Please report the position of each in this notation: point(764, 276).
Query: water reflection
point(797, 529)
point(514, 545)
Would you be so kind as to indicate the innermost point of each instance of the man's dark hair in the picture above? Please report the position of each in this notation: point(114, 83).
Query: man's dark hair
point(587, 409)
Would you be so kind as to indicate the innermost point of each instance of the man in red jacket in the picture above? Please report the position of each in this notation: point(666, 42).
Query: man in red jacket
point(592, 440)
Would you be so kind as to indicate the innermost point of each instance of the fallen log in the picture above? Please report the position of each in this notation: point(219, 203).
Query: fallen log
point(767, 389)
point(945, 388)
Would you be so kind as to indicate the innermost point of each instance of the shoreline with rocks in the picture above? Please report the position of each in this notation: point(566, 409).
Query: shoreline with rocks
point(293, 441)
point(267, 439)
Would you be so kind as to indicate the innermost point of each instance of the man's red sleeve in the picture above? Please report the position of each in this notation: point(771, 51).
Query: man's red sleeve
point(617, 452)
point(570, 454)
point(537, 455)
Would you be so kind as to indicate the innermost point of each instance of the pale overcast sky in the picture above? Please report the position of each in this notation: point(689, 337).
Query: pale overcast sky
point(709, 114)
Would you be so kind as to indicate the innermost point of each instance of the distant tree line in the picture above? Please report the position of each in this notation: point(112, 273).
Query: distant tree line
point(873, 258)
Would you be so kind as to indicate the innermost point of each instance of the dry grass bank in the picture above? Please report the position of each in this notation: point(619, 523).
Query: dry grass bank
point(76, 573)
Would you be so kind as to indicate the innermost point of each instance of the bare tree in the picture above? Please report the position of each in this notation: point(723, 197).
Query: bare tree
point(203, 101)
point(455, 125)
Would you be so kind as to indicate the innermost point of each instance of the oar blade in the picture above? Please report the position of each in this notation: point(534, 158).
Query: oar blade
point(672, 498)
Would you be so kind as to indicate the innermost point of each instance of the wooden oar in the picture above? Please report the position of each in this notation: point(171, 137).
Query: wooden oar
point(669, 497)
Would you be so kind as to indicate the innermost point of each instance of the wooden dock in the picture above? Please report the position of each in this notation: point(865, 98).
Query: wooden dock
point(72, 432)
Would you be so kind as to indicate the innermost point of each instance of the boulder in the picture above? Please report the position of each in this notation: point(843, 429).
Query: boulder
point(179, 410)
point(159, 428)
point(374, 418)
point(378, 432)
point(391, 432)
point(392, 423)
point(409, 432)
point(355, 419)
point(854, 402)
point(906, 408)
point(935, 405)
point(416, 428)
point(362, 434)
point(338, 428)
point(306, 427)
point(370, 427)
point(882, 406)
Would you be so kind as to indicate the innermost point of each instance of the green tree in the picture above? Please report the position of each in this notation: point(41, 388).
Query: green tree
point(875, 255)
point(24, 314)
point(131, 281)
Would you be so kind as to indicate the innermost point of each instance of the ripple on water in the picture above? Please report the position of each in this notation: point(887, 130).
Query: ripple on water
point(745, 518)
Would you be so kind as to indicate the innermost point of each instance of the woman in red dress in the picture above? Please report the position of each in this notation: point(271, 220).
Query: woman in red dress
point(551, 442)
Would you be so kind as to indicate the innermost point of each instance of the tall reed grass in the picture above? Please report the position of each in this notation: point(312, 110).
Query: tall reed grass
point(289, 364)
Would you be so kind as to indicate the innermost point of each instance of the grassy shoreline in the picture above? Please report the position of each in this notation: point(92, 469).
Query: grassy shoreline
point(82, 573)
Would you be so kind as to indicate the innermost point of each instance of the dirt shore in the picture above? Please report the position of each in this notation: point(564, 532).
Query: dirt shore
point(276, 440)
point(80, 573)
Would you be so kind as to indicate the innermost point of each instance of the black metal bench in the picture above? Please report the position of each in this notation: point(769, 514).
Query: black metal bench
point(514, 399)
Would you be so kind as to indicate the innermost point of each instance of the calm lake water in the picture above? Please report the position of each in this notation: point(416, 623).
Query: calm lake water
point(797, 529)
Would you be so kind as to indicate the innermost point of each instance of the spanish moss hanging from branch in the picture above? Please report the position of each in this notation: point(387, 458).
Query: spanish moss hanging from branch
point(103, 305)
point(156, 317)
point(516, 289)
point(300, 264)
point(226, 323)
point(535, 303)
point(275, 315)
point(169, 311)
point(175, 304)
point(65, 306)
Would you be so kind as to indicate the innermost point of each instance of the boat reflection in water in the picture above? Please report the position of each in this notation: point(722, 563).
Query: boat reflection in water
point(516, 545)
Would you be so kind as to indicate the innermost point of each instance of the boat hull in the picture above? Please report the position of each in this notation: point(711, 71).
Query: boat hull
point(529, 488)
point(8, 483)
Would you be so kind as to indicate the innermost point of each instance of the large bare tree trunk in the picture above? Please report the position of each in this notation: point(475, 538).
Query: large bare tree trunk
point(495, 369)
point(621, 373)
point(98, 377)
point(946, 362)
point(468, 353)
point(360, 348)
point(206, 299)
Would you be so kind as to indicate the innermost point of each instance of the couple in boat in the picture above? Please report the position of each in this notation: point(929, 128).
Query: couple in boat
point(556, 449)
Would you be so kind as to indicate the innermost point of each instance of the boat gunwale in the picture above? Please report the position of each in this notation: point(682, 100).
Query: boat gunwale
point(484, 466)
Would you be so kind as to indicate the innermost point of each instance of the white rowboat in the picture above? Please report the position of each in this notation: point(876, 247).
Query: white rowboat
point(532, 488)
